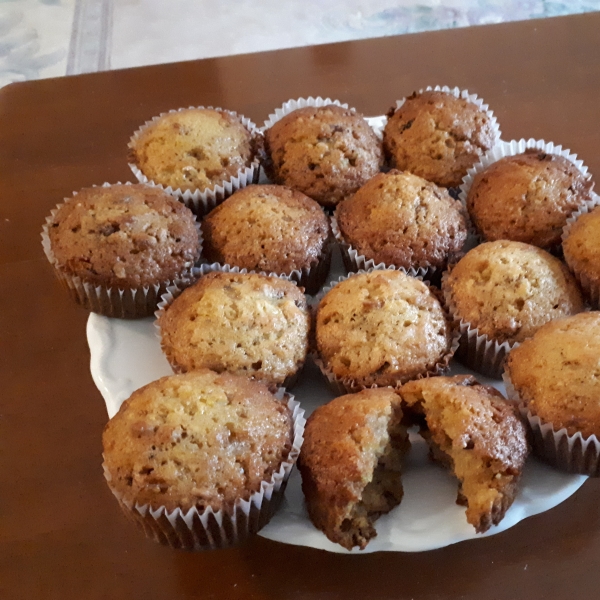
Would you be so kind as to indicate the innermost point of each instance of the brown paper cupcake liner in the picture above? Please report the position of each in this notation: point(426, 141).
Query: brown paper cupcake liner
point(348, 385)
point(121, 303)
point(201, 202)
point(175, 290)
point(209, 529)
point(589, 285)
point(476, 350)
point(571, 453)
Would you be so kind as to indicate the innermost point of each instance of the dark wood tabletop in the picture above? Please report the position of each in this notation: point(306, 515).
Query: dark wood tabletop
point(61, 532)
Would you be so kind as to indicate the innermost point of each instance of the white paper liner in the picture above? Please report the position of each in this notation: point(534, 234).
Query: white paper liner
point(209, 529)
point(590, 285)
point(571, 453)
point(476, 350)
point(201, 202)
point(347, 385)
point(353, 261)
point(503, 149)
point(175, 290)
point(111, 301)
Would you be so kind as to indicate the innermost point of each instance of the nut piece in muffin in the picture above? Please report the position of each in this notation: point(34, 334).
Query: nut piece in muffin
point(437, 136)
point(268, 228)
point(527, 198)
point(326, 152)
point(350, 464)
point(381, 328)
point(248, 324)
point(195, 441)
point(403, 220)
point(556, 373)
point(507, 290)
point(195, 148)
point(474, 431)
point(581, 249)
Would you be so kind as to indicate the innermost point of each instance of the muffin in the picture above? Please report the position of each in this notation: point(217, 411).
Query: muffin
point(270, 228)
point(527, 197)
point(381, 328)
point(402, 220)
point(475, 432)
point(501, 293)
point(243, 323)
point(187, 450)
point(326, 152)
point(438, 136)
point(350, 464)
point(194, 148)
point(555, 376)
point(581, 248)
point(117, 247)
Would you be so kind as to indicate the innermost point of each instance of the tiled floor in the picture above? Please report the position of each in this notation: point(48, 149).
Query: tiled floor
point(45, 38)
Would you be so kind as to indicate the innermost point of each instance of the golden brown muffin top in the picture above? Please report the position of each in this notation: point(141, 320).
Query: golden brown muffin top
point(479, 435)
point(403, 220)
point(508, 290)
point(437, 136)
point(325, 152)
point(381, 328)
point(557, 373)
point(344, 441)
point(248, 324)
point(268, 228)
point(124, 236)
point(582, 246)
point(527, 197)
point(196, 440)
point(196, 148)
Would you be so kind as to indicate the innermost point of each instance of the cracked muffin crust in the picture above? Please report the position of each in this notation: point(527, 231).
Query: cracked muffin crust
point(325, 152)
point(382, 328)
point(195, 148)
point(437, 136)
point(474, 431)
point(247, 324)
point(269, 228)
point(123, 236)
point(197, 440)
point(403, 220)
point(508, 290)
point(527, 198)
point(350, 464)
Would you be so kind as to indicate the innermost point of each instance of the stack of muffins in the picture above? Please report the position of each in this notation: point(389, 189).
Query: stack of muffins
point(226, 263)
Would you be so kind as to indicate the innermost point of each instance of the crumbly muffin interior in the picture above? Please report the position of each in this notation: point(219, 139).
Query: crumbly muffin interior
point(266, 227)
point(248, 324)
point(193, 149)
point(196, 440)
point(476, 433)
point(381, 328)
point(507, 290)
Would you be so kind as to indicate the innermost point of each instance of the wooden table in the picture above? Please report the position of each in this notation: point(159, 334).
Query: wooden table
point(61, 533)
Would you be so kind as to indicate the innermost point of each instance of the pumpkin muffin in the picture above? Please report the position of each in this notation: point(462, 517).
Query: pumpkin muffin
point(121, 237)
point(243, 323)
point(555, 376)
point(581, 248)
point(350, 464)
point(381, 328)
point(194, 148)
point(269, 228)
point(402, 220)
point(438, 136)
point(527, 198)
point(326, 152)
point(199, 441)
point(475, 432)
